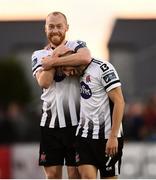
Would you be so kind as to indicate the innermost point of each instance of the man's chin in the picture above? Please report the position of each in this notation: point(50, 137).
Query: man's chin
point(56, 41)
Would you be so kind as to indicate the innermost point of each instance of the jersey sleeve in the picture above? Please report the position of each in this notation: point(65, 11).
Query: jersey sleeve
point(36, 62)
point(109, 76)
point(76, 45)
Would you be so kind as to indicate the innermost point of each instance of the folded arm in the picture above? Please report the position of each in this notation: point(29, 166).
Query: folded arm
point(81, 57)
point(45, 78)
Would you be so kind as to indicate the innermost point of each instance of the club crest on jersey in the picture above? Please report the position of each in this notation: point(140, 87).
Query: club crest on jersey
point(88, 79)
point(85, 90)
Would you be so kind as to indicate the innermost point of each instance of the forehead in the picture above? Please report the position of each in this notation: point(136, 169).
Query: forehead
point(55, 19)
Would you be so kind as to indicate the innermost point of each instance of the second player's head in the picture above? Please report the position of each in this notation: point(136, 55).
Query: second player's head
point(56, 27)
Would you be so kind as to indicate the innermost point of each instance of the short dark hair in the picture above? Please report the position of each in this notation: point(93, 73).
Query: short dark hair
point(55, 13)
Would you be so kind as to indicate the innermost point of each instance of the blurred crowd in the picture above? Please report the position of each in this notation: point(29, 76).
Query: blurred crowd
point(21, 124)
point(140, 120)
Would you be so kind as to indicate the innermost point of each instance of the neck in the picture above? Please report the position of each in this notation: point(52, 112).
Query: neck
point(81, 69)
point(53, 46)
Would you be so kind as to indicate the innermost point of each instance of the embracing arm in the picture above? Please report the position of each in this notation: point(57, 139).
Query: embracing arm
point(81, 57)
point(45, 78)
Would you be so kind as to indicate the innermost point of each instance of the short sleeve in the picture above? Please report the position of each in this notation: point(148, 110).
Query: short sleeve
point(36, 59)
point(76, 45)
point(109, 76)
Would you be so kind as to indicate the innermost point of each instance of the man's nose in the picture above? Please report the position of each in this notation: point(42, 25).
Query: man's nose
point(55, 29)
point(72, 72)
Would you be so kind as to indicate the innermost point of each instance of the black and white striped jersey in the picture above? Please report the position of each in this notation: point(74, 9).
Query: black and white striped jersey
point(96, 108)
point(61, 100)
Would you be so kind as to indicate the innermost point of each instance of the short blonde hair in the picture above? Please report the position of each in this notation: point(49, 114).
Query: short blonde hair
point(56, 13)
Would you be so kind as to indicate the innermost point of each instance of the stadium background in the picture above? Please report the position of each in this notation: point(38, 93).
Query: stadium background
point(121, 31)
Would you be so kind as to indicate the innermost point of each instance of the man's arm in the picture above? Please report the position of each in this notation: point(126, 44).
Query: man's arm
point(116, 97)
point(81, 57)
point(45, 78)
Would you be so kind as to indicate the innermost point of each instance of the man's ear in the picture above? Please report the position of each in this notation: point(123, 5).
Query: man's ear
point(67, 27)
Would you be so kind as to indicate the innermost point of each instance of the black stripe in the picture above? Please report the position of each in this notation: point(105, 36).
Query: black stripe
point(102, 131)
point(78, 112)
point(56, 125)
point(36, 67)
point(111, 105)
point(97, 61)
point(114, 82)
point(80, 132)
point(90, 129)
point(79, 46)
point(48, 118)
point(67, 115)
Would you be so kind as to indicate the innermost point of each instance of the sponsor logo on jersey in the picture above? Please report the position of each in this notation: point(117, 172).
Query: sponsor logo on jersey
point(85, 90)
point(34, 62)
point(107, 78)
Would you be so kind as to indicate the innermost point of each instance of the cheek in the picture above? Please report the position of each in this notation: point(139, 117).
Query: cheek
point(48, 33)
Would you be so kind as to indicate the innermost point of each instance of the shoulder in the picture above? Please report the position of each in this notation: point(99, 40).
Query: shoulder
point(38, 53)
point(37, 56)
point(76, 44)
point(72, 42)
point(103, 65)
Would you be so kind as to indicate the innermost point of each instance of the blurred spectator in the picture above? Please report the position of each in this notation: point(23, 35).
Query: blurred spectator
point(16, 116)
point(150, 118)
point(7, 131)
point(134, 122)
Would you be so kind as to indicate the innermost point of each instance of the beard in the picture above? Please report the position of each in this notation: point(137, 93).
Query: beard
point(56, 39)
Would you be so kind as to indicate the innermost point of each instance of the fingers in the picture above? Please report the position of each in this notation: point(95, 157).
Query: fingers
point(61, 50)
point(45, 63)
point(111, 151)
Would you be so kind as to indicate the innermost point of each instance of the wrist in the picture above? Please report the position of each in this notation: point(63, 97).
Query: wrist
point(113, 136)
point(54, 61)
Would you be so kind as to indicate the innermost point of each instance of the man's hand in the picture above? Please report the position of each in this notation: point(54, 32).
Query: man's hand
point(112, 146)
point(60, 50)
point(47, 62)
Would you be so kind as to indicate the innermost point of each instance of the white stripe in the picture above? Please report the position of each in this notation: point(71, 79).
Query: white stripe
point(78, 128)
point(44, 115)
point(52, 122)
point(85, 131)
point(72, 107)
point(117, 168)
point(96, 130)
point(43, 119)
point(109, 159)
point(60, 111)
